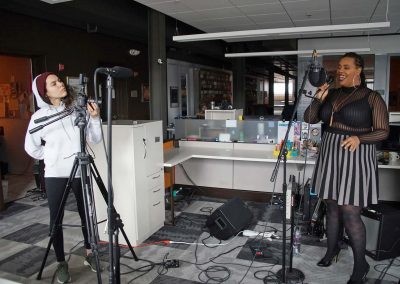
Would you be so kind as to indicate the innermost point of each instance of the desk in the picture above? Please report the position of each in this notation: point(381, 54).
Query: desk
point(249, 166)
point(229, 165)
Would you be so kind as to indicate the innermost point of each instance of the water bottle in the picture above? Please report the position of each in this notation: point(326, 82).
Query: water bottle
point(296, 241)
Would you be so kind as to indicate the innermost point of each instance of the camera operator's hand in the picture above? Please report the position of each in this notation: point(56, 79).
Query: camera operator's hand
point(93, 109)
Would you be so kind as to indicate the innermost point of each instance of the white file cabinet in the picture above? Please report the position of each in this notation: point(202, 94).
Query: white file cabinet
point(137, 177)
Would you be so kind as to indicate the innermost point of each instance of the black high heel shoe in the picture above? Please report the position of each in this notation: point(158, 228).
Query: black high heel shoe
point(325, 262)
point(363, 278)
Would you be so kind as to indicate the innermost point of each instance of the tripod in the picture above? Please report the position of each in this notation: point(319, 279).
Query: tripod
point(85, 163)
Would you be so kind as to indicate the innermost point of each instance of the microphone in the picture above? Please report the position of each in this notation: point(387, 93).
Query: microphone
point(317, 74)
point(116, 71)
point(329, 81)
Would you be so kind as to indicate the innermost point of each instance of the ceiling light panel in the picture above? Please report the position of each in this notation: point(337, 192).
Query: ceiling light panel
point(255, 34)
point(297, 52)
point(55, 1)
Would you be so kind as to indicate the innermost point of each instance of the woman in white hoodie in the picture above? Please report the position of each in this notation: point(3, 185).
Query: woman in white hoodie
point(57, 144)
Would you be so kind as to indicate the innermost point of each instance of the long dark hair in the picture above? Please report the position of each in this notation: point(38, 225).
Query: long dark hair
point(68, 99)
point(359, 61)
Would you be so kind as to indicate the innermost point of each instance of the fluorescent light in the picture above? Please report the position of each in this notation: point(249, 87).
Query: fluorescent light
point(280, 32)
point(296, 52)
point(55, 1)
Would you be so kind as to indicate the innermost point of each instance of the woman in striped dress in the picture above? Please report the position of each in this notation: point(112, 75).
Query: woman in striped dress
point(354, 119)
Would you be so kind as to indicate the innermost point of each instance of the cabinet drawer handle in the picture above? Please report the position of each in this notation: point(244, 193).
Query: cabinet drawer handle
point(145, 148)
point(157, 203)
point(154, 191)
point(156, 177)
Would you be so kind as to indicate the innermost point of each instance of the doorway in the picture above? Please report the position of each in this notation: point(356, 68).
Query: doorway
point(16, 107)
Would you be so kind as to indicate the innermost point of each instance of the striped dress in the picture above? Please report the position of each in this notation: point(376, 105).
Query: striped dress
point(351, 178)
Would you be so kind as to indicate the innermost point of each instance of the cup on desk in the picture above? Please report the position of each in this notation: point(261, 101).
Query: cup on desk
point(394, 156)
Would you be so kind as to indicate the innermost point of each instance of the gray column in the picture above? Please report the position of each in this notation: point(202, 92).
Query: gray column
point(239, 72)
point(157, 67)
point(271, 94)
point(286, 90)
point(381, 75)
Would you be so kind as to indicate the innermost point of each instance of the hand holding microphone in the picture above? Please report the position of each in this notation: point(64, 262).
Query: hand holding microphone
point(322, 91)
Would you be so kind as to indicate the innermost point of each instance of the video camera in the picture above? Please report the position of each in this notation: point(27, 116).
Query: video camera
point(81, 96)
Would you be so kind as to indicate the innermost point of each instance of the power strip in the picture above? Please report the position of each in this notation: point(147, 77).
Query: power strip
point(171, 263)
point(253, 234)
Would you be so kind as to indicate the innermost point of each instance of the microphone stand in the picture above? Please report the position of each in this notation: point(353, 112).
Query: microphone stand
point(114, 220)
point(113, 245)
point(285, 274)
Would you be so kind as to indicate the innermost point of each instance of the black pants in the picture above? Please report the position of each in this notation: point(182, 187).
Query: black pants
point(55, 188)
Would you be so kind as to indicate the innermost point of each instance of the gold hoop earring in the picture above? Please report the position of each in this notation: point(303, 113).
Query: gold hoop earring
point(354, 85)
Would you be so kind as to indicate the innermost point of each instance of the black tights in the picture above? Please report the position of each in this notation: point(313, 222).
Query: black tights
point(350, 217)
point(55, 188)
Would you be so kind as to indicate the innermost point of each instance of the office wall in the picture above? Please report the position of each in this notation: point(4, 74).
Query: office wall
point(80, 52)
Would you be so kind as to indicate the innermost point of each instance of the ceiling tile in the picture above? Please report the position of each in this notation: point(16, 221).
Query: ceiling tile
point(226, 22)
point(230, 15)
point(221, 13)
point(305, 5)
point(170, 7)
point(361, 12)
point(245, 27)
point(394, 17)
point(207, 4)
point(349, 20)
point(262, 9)
point(148, 2)
point(188, 16)
point(394, 8)
point(310, 15)
point(226, 29)
point(354, 5)
point(270, 18)
point(252, 2)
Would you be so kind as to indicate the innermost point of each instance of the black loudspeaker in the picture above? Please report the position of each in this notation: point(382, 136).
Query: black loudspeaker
point(382, 224)
point(229, 219)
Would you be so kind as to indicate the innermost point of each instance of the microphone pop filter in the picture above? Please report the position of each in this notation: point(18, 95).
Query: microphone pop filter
point(317, 77)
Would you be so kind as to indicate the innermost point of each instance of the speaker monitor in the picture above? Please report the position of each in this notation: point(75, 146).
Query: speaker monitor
point(229, 219)
point(382, 224)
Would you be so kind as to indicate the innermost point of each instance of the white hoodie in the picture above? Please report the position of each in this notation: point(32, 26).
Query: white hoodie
point(62, 141)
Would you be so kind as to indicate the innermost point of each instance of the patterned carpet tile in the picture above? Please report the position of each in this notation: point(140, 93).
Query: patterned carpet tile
point(236, 253)
point(70, 204)
point(27, 262)
point(102, 250)
point(187, 229)
point(13, 209)
point(30, 234)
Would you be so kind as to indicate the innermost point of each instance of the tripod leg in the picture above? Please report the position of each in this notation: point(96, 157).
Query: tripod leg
point(103, 192)
point(91, 223)
point(57, 223)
